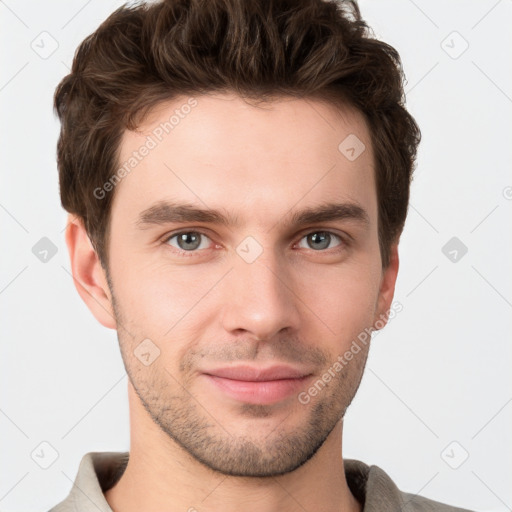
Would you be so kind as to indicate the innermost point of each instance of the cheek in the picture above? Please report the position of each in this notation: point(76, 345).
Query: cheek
point(161, 299)
point(341, 299)
point(165, 302)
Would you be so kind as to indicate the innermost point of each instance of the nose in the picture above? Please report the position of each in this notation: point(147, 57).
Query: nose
point(260, 298)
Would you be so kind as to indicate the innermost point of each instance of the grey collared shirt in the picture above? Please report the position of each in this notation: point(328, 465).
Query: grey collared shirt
point(99, 471)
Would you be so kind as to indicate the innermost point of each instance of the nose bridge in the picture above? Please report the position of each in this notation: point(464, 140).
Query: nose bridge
point(259, 295)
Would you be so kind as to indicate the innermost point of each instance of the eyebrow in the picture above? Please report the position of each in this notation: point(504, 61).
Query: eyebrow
point(164, 212)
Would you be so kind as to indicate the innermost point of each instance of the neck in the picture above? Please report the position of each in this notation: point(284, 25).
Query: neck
point(161, 475)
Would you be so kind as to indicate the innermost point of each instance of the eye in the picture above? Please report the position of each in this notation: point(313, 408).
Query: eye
point(320, 240)
point(188, 241)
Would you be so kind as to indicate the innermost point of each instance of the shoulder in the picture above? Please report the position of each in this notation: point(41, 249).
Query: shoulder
point(63, 507)
point(373, 487)
point(97, 472)
point(417, 503)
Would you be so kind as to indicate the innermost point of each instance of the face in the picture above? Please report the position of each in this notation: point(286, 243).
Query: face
point(228, 318)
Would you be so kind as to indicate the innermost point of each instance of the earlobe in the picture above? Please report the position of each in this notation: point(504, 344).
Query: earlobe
point(88, 274)
point(387, 289)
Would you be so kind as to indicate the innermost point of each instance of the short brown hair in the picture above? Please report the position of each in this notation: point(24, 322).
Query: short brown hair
point(148, 53)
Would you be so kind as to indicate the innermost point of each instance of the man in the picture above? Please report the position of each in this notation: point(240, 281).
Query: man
point(237, 176)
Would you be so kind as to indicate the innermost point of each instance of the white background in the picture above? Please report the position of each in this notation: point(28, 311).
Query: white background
point(438, 374)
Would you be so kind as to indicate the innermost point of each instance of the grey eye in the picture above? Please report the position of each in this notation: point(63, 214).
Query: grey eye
point(188, 241)
point(320, 240)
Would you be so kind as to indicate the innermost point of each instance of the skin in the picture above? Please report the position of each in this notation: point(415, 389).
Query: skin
point(298, 304)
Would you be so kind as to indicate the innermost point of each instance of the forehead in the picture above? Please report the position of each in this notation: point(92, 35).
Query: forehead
point(256, 161)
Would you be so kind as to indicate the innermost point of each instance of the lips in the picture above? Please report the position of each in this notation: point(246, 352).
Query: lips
point(256, 374)
point(257, 385)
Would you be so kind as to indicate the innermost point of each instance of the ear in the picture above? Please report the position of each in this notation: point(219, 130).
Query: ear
point(387, 289)
point(88, 275)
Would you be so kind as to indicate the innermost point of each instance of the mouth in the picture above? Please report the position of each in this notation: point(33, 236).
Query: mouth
point(258, 385)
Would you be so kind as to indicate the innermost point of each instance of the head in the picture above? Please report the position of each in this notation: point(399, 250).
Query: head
point(237, 175)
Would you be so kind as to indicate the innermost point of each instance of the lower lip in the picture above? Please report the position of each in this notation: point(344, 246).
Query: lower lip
point(264, 392)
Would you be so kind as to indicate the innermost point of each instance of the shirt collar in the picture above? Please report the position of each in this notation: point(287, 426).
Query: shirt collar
point(99, 471)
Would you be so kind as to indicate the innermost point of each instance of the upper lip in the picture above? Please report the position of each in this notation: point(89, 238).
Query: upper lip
point(257, 374)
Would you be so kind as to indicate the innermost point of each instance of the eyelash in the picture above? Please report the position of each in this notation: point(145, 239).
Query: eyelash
point(342, 245)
